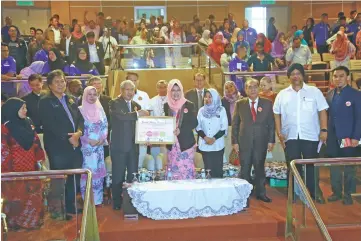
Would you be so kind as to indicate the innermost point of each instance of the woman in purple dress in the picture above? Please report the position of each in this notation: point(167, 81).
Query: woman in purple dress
point(181, 153)
point(82, 66)
point(93, 141)
point(55, 61)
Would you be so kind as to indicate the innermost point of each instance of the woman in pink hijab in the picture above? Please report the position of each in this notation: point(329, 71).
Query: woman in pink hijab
point(93, 141)
point(181, 153)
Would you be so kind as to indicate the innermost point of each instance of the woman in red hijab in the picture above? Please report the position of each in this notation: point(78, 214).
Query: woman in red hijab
point(216, 48)
point(266, 43)
point(342, 49)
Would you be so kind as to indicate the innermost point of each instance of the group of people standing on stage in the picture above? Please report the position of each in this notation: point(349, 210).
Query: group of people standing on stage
point(77, 133)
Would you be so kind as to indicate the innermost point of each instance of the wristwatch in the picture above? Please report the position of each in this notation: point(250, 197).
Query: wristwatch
point(323, 130)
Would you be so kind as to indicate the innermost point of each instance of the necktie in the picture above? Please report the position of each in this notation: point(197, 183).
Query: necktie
point(253, 111)
point(200, 99)
point(129, 106)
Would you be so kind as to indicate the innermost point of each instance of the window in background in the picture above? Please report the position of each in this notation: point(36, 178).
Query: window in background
point(257, 18)
point(149, 11)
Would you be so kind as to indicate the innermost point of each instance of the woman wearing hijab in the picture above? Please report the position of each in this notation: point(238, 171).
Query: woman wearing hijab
point(234, 38)
point(82, 65)
point(279, 46)
point(216, 48)
point(92, 142)
point(343, 50)
point(299, 34)
point(181, 153)
point(267, 45)
point(231, 96)
point(206, 40)
point(20, 152)
point(55, 61)
point(226, 58)
point(241, 42)
point(212, 128)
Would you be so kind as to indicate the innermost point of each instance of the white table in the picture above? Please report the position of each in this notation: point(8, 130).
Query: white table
point(190, 198)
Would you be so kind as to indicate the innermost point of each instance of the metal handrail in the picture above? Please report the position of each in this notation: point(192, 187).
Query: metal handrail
point(282, 72)
point(294, 173)
point(15, 80)
point(130, 46)
point(87, 194)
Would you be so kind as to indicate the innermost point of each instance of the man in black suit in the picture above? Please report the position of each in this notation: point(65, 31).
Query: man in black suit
point(32, 100)
point(196, 95)
point(124, 113)
point(62, 125)
point(253, 134)
point(95, 52)
point(68, 45)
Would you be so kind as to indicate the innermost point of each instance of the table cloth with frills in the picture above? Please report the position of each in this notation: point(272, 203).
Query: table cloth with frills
point(184, 199)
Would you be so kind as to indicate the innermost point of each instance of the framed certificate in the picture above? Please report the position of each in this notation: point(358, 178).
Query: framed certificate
point(155, 130)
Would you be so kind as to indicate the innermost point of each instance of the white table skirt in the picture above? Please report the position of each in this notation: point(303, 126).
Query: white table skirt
point(190, 198)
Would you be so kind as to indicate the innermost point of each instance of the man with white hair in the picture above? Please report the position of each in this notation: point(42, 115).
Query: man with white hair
point(142, 98)
point(124, 113)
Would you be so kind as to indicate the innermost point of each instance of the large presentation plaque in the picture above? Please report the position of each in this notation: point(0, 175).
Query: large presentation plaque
point(155, 130)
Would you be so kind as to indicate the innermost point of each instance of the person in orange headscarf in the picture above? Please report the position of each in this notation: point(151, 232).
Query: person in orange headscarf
point(266, 43)
point(216, 48)
point(358, 45)
point(343, 50)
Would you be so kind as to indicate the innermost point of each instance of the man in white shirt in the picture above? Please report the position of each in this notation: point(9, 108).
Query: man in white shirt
point(196, 95)
point(68, 45)
point(300, 54)
point(54, 26)
point(141, 98)
point(157, 109)
point(301, 122)
point(109, 45)
point(95, 52)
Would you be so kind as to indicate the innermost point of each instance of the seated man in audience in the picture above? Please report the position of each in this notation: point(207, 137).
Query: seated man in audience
point(344, 124)
point(32, 100)
point(95, 52)
point(141, 98)
point(35, 45)
point(124, 113)
point(75, 89)
point(43, 54)
point(300, 54)
point(261, 61)
point(196, 95)
point(8, 71)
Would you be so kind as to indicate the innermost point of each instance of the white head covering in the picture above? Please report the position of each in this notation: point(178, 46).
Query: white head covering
point(164, 32)
point(206, 40)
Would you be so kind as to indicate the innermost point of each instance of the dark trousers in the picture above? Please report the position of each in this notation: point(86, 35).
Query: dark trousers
point(349, 172)
point(255, 157)
point(322, 49)
point(213, 160)
point(100, 67)
point(122, 161)
point(303, 149)
point(70, 161)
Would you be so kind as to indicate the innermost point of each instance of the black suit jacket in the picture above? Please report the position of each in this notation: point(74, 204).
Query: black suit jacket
point(192, 96)
point(227, 106)
point(73, 48)
point(57, 125)
point(32, 104)
point(249, 134)
point(188, 121)
point(123, 124)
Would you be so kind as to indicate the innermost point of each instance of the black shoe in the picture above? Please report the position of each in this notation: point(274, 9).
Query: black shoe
point(347, 200)
point(72, 211)
point(334, 198)
point(264, 198)
point(320, 200)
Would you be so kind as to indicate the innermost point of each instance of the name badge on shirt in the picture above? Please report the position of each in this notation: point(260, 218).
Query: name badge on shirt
point(239, 66)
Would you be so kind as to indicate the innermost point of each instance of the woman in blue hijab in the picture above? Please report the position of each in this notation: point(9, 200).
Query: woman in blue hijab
point(241, 42)
point(212, 128)
point(299, 34)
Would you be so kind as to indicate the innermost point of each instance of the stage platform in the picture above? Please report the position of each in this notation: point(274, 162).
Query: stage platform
point(262, 222)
